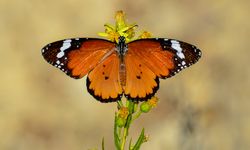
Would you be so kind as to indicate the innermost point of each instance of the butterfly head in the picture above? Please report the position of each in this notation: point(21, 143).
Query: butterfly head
point(121, 39)
point(121, 46)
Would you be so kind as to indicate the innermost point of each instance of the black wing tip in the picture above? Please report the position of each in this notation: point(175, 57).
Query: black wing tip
point(178, 62)
point(147, 97)
point(99, 98)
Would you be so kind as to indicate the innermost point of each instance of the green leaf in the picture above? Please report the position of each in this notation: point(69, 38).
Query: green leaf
point(116, 136)
point(140, 140)
point(103, 144)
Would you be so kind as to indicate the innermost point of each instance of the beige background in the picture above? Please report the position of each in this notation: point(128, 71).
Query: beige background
point(205, 107)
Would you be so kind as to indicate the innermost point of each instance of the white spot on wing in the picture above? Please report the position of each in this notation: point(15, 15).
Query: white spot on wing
point(200, 53)
point(66, 45)
point(60, 54)
point(181, 55)
point(176, 46)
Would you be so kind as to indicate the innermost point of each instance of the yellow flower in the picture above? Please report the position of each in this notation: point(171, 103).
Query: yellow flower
point(146, 138)
point(153, 101)
point(148, 105)
point(121, 28)
point(123, 112)
point(120, 20)
point(145, 34)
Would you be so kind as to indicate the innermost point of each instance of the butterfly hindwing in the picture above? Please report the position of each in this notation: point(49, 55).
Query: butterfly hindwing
point(76, 57)
point(141, 82)
point(103, 81)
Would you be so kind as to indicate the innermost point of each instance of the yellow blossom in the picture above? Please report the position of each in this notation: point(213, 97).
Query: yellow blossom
point(153, 101)
point(146, 138)
point(123, 112)
point(145, 34)
point(122, 28)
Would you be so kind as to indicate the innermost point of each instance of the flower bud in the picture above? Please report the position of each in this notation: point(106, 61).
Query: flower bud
point(120, 122)
point(145, 107)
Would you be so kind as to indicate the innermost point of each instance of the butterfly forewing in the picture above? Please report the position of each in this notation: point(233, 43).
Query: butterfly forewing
point(165, 57)
point(76, 57)
point(184, 54)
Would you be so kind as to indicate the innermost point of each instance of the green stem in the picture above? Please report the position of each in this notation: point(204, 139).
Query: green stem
point(126, 129)
point(132, 110)
point(124, 137)
point(130, 106)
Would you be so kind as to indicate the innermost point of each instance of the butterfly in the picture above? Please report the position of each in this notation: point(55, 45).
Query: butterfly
point(115, 69)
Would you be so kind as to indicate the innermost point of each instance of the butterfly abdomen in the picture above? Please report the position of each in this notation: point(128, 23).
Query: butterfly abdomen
point(122, 72)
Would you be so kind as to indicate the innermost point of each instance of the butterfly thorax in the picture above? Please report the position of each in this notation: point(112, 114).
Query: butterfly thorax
point(122, 48)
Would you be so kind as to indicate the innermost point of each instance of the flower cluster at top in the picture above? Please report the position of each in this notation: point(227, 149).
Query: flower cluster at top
point(121, 28)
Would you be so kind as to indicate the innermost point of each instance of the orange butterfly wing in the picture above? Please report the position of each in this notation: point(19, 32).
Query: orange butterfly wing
point(153, 56)
point(147, 60)
point(79, 56)
point(103, 81)
point(76, 57)
point(141, 82)
point(89, 55)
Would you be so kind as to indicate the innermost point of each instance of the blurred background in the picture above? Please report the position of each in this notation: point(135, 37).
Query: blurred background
point(205, 107)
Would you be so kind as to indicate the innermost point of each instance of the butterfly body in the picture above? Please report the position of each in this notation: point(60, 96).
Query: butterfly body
point(114, 69)
point(121, 49)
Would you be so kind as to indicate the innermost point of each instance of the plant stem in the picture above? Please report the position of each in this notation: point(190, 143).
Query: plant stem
point(124, 137)
point(121, 133)
point(130, 106)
